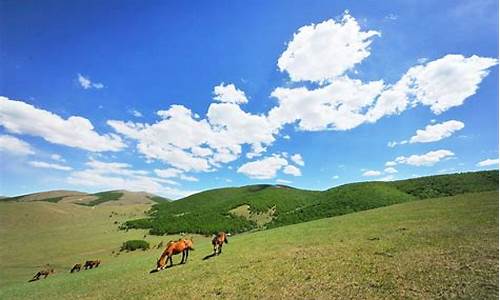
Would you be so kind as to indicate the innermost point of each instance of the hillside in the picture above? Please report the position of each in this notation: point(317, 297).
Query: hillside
point(428, 249)
point(117, 197)
point(266, 206)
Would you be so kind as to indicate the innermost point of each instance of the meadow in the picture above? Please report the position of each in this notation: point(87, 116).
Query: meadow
point(432, 248)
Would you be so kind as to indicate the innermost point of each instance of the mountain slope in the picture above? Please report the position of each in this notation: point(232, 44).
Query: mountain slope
point(431, 249)
point(213, 210)
point(117, 197)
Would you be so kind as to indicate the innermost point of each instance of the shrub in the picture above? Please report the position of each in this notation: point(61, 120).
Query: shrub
point(134, 245)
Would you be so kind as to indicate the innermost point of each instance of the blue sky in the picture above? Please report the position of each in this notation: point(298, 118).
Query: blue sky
point(175, 98)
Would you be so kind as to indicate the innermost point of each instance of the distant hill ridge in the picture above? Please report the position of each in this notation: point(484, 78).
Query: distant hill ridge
point(240, 209)
point(115, 197)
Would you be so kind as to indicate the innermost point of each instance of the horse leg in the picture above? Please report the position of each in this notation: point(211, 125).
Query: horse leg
point(220, 248)
point(187, 255)
point(183, 255)
point(170, 259)
point(46, 275)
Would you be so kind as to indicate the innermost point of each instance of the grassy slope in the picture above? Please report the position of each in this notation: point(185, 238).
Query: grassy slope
point(208, 212)
point(421, 249)
point(36, 233)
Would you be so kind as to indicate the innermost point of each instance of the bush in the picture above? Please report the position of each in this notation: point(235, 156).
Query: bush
point(134, 245)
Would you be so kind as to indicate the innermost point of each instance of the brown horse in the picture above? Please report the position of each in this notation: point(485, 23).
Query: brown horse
point(218, 241)
point(173, 248)
point(44, 273)
point(89, 264)
point(76, 268)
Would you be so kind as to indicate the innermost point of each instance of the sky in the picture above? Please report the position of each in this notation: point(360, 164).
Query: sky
point(177, 97)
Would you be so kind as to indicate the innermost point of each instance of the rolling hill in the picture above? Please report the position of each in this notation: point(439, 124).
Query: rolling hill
point(267, 206)
point(429, 249)
point(116, 197)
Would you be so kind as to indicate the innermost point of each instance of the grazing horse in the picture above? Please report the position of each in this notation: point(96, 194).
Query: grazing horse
point(89, 264)
point(173, 248)
point(218, 241)
point(76, 268)
point(44, 273)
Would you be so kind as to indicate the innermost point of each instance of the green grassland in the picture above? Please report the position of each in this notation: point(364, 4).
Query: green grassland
point(211, 211)
point(60, 234)
point(433, 248)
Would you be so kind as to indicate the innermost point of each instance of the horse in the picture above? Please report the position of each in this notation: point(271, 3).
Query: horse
point(76, 268)
point(218, 241)
point(173, 248)
point(44, 273)
point(89, 264)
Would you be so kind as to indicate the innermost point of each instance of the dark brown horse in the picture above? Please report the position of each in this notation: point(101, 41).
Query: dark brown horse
point(89, 264)
point(44, 273)
point(173, 248)
point(218, 241)
point(76, 268)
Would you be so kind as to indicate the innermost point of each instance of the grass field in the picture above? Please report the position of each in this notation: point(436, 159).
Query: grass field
point(434, 248)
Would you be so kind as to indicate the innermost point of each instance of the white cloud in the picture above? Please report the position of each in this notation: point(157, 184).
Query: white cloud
point(265, 168)
point(391, 164)
point(12, 145)
point(336, 106)
point(229, 94)
point(297, 158)
point(168, 173)
point(448, 81)
point(57, 157)
point(292, 170)
point(488, 162)
point(46, 165)
point(286, 137)
point(172, 173)
point(335, 177)
point(116, 175)
point(22, 118)
point(86, 83)
point(433, 133)
point(321, 52)
point(427, 159)
point(200, 145)
point(371, 173)
point(390, 170)
point(135, 113)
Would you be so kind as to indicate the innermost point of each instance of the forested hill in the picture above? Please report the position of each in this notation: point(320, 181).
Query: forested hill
point(245, 208)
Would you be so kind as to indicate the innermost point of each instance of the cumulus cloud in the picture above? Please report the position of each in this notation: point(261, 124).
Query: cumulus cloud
point(371, 173)
point(433, 133)
point(173, 172)
point(390, 170)
point(14, 146)
point(265, 168)
point(336, 106)
point(297, 158)
point(46, 165)
point(321, 52)
point(448, 81)
point(188, 143)
point(292, 170)
point(488, 162)
point(86, 83)
point(23, 118)
point(229, 94)
point(427, 159)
